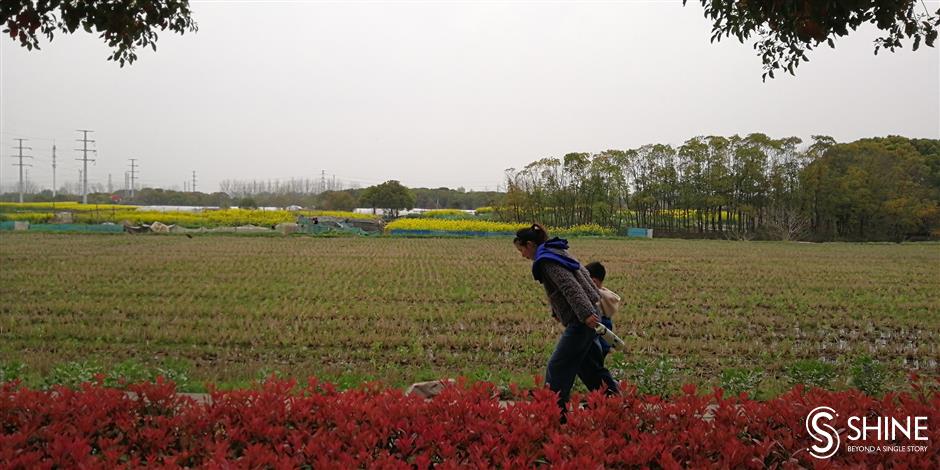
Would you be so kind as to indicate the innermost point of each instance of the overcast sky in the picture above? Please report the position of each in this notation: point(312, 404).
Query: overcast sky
point(433, 93)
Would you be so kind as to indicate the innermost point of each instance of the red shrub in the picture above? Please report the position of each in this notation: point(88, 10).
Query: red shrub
point(279, 426)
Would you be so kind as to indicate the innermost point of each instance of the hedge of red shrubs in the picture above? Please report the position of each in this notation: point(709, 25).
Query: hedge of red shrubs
point(281, 425)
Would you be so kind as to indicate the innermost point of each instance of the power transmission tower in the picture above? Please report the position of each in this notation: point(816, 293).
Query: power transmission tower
point(193, 188)
point(133, 174)
point(21, 164)
point(322, 180)
point(85, 141)
point(53, 173)
point(110, 188)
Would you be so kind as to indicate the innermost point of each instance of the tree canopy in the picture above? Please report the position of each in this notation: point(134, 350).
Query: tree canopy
point(337, 201)
point(124, 25)
point(740, 187)
point(788, 29)
point(390, 196)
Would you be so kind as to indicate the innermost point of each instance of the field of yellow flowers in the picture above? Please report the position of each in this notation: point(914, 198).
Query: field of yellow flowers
point(436, 226)
point(407, 309)
point(98, 213)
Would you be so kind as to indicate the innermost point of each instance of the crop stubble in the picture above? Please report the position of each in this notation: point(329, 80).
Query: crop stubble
point(402, 310)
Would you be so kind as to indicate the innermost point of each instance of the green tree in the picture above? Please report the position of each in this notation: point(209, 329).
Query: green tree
point(124, 25)
point(693, 156)
point(718, 180)
point(247, 203)
point(787, 29)
point(337, 201)
point(446, 198)
point(390, 196)
point(873, 189)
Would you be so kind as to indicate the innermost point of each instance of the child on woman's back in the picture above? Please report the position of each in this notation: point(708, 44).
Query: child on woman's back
point(609, 302)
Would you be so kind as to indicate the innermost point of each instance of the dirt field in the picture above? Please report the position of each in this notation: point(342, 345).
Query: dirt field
point(232, 308)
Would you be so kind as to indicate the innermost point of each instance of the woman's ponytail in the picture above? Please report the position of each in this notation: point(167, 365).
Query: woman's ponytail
point(535, 234)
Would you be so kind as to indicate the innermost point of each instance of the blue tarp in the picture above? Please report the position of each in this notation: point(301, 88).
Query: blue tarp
point(640, 232)
point(99, 228)
point(87, 228)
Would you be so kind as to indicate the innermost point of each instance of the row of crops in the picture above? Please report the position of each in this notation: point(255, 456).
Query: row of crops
point(401, 310)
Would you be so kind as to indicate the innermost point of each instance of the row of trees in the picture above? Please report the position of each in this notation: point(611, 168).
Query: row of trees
point(390, 195)
point(394, 196)
point(145, 196)
point(884, 188)
point(292, 186)
point(31, 187)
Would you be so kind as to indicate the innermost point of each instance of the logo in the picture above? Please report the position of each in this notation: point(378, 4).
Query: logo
point(822, 433)
point(883, 429)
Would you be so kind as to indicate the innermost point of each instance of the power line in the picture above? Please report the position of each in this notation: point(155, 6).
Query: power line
point(21, 164)
point(28, 137)
point(85, 141)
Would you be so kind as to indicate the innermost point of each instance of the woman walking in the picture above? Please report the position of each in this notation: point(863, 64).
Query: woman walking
point(573, 299)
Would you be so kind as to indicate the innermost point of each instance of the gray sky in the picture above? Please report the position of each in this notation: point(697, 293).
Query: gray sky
point(433, 93)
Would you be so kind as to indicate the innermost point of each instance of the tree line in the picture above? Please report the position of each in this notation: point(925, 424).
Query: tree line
point(389, 195)
point(292, 186)
point(742, 187)
point(394, 196)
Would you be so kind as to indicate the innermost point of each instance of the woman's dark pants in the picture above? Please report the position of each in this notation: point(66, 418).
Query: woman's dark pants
point(578, 353)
